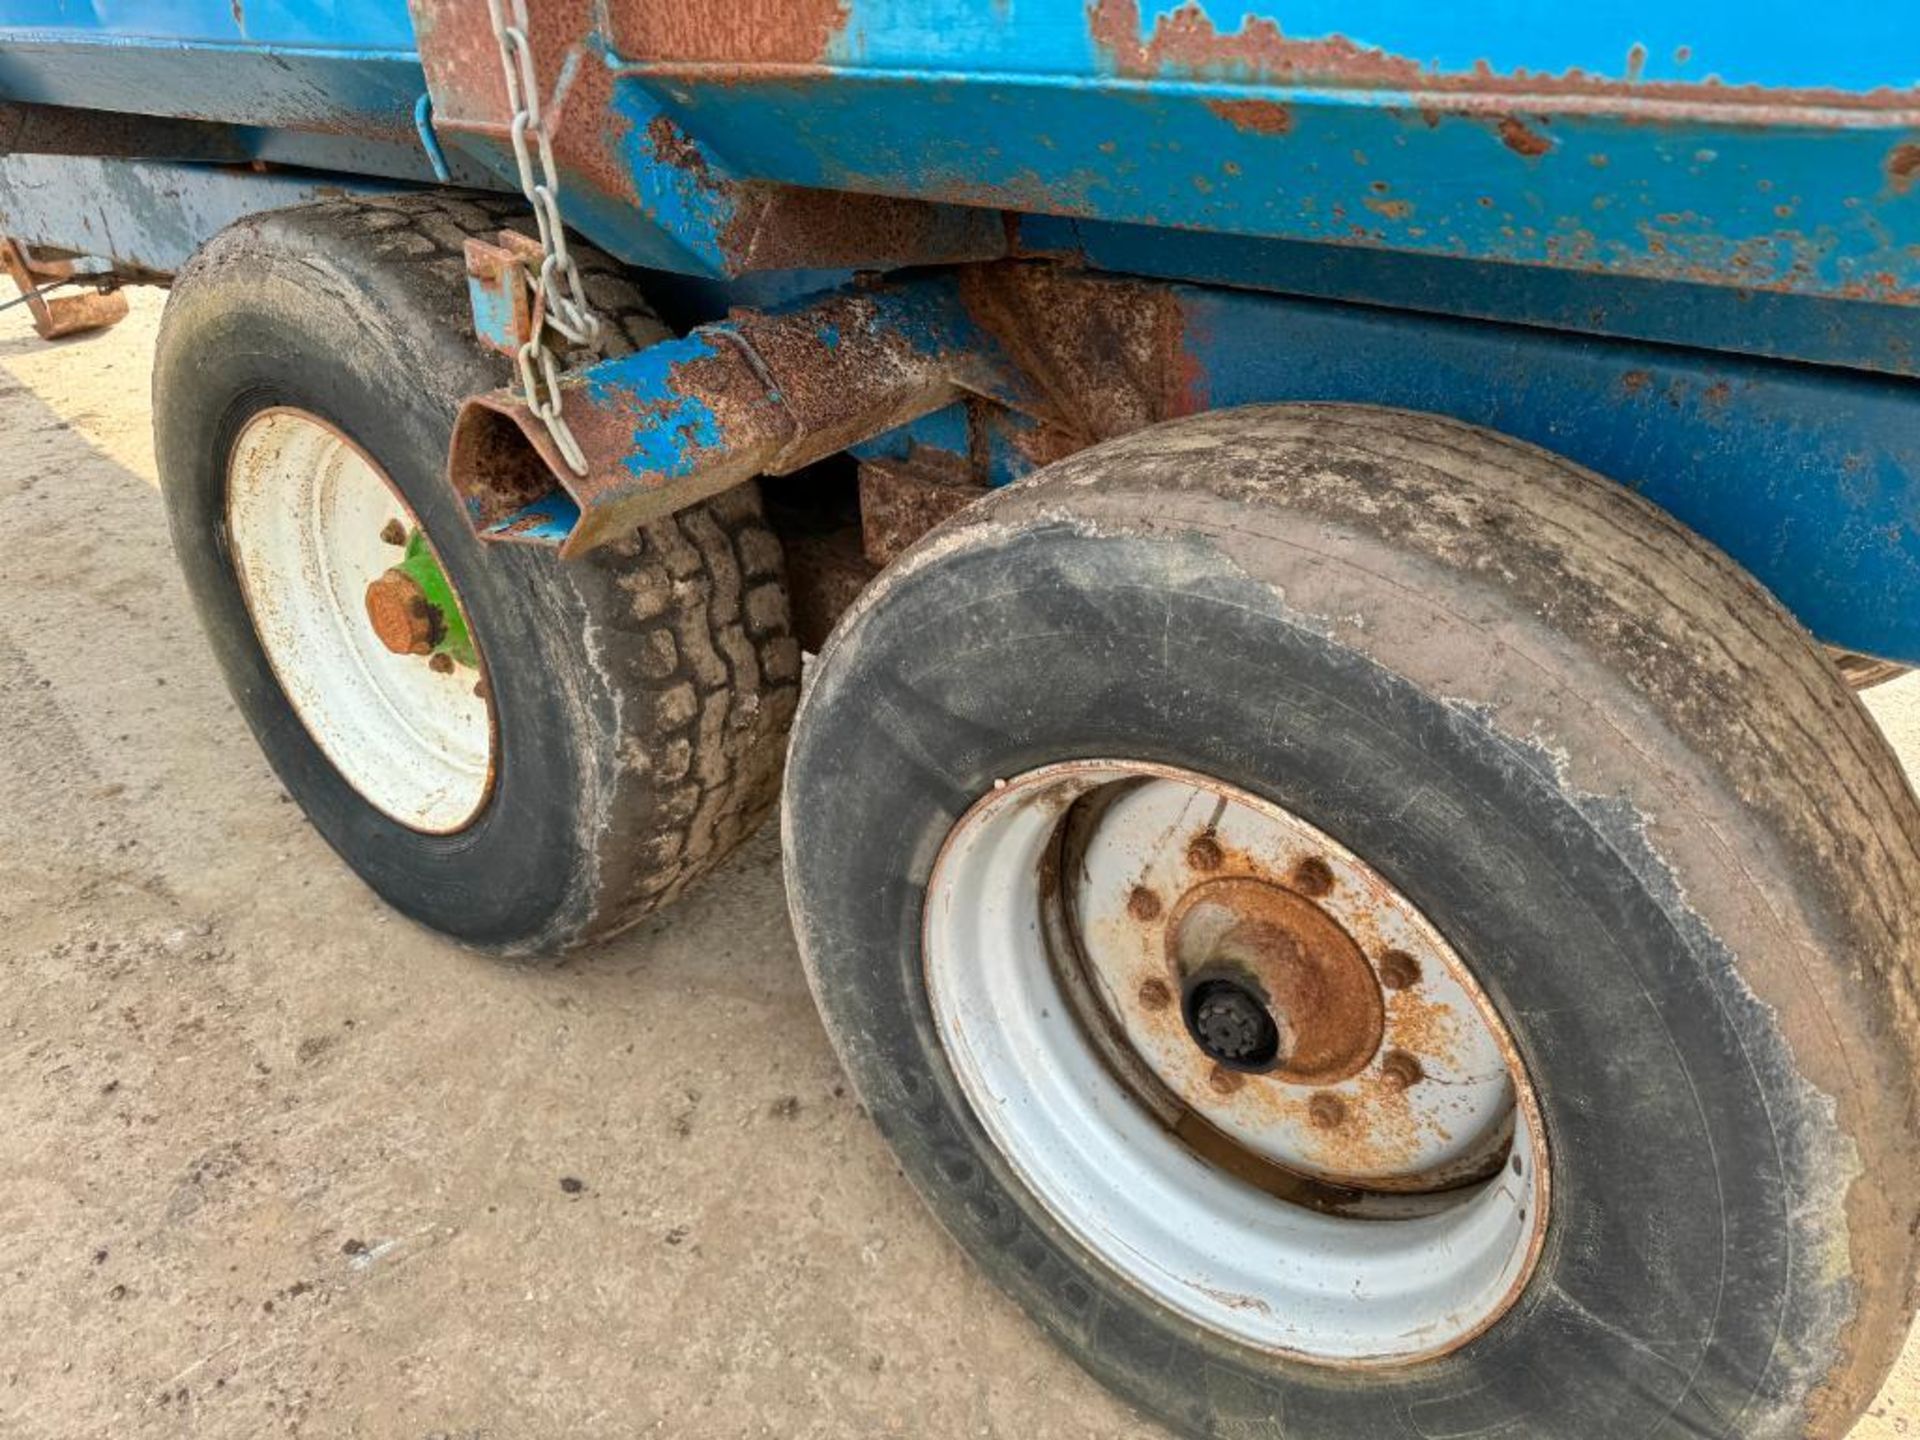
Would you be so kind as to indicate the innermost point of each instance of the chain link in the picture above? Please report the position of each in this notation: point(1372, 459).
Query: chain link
point(559, 294)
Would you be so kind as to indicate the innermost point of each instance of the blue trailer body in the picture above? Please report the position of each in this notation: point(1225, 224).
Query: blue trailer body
point(1681, 247)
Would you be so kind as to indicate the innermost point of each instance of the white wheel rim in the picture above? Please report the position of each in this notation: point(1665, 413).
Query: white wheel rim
point(306, 514)
point(1400, 1230)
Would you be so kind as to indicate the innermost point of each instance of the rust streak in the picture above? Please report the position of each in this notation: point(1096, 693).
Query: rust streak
point(1185, 41)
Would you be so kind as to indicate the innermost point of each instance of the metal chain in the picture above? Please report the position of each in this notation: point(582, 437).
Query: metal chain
point(559, 294)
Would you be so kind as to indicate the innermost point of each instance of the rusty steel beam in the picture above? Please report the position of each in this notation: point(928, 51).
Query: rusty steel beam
point(762, 394)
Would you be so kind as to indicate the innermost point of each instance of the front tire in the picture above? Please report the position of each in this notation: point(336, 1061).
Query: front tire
point(1623, 787)
point(638, 699)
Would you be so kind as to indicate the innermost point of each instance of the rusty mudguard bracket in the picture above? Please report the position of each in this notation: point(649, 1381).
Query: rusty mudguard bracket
point(757, 394)
point(57, 316)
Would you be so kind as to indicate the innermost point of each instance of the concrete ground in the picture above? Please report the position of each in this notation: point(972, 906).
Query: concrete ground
point(276, 1162)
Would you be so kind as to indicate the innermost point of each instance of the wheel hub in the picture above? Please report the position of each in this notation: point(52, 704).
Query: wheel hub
point(1323, 1025)
point(370, 646)
point(1287, 964)
point(1236, 1060)
point(402, 619)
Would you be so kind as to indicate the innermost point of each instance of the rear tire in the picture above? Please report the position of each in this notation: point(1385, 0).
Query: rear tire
point(641, 696)
point(1623, 785)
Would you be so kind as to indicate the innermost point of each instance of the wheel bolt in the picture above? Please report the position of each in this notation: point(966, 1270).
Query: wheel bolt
point(1327, 1111)
point(1204, 853)
point(394, 533)
point(1313, 877)
point(1143, 904)
point(1399, 970)
point(1401, 1071)
point(441, 664)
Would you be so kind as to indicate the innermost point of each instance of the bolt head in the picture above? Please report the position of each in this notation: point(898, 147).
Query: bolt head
point(1401, 1071)
point(1399, 970)
point(1205, 853)
point(398, 610)
point(1327, 1111)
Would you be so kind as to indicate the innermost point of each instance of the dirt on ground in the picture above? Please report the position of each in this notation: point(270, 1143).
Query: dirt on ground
point(278, 1162)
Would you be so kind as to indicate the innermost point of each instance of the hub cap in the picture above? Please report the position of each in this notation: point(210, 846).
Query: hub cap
point(364, 632)
point(1236, 1062)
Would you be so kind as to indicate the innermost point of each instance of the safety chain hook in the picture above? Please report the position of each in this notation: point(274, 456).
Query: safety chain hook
point(559, 295)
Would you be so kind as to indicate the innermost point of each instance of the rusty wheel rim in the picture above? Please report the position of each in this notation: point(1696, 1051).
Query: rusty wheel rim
point(1236, 1062)
point(314, 526)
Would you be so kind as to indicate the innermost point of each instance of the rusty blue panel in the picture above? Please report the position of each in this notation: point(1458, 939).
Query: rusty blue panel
point(1792, 205)
point(1859, 334)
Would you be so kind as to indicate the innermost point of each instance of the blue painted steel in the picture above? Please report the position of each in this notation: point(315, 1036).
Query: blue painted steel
point(547, 521)
point(497, 319)
point(144, 214)
point(430, 142)
point(346, 91)
point(356, 25)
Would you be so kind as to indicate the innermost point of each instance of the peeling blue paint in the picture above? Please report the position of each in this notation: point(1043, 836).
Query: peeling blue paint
point(678, 427)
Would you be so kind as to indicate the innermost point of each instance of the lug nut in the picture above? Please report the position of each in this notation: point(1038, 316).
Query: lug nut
point(1204, 853)
point(1327, 1111)
point(1313, 877)
point(1143, 904)
point(394, 533)
point(1399, 970)
point(1401, 1071)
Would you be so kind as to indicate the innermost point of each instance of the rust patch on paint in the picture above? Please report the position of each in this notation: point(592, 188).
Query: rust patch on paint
point(751, 32)
point(1522, 138)
point(673, 146)
point(1185, 41)
point(1903, 167)
point(1257, 117)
